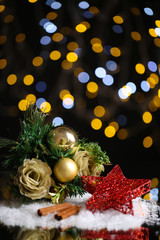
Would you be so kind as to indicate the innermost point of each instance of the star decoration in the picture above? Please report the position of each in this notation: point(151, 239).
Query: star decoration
point(114, 191)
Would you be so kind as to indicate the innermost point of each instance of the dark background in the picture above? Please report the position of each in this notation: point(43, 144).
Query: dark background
point(135, 160)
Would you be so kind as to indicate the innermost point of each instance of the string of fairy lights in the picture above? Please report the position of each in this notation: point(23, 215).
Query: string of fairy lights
point(99, 82)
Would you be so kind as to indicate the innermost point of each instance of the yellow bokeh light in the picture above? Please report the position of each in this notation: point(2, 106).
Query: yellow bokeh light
point(154, 78)
point(157, 42)
point(152, 32)
point(51, 15)
point(72, 46)
point(140, 69)
point(97, 47)
point(87, 24)
point(55, 55)
point(109, 131)
point(154, 182)
point(68, 95)
point(32, 1)
point(151, 82)
point(92, 87)
point(152, 106)
point(115, 125)
point(28, 79)
point(122, 134)
point(31, 98)
point(147, 142)
point(135, 11)
point(147, 196)
point(45, 107)
point(147, 117)
point(156, 101)
point(2, 7)
point(57, 37)
point(157, 22)
point(20, 37)
point(3, 39)
point(23, 105)
point(94, 10)
point(63, 93)
point(37, 61)
point(99, 111)
point(66, 64)
point(81, 28)
point(77, 71)
point(95, 40)
point(96, 124)
point(3, 63)
point(9, 18)
point(136, 36)
point(11, 79)
point(115, 52)
point(118, 19)
point(159, 93)
point(72, 57)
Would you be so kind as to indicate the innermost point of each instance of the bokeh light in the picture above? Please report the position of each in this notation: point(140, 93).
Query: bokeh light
point(83, 77)
point(28, 79)
point(11, 79)
point(92, 87)
point(41, 86)
point(23, 105)
point(45, 107)
point(148, 11)
point(110, 131)
point(100, 72)
point(96, 124)
point(57, 121)
point(37, 61)
point(108, 80)
point(72, 57)
point(55, 55)
point(147, 117)
point(140, 69)
point(31, 99)
point(99, 111)
point(147, 142)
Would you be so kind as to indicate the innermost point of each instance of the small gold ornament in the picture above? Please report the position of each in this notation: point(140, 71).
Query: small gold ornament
point(63, 136)
point(65, 170)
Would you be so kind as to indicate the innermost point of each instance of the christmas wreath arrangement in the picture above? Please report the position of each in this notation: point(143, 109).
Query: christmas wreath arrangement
point(47, 161)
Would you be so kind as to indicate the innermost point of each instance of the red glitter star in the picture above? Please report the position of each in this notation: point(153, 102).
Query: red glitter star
point(114, 191)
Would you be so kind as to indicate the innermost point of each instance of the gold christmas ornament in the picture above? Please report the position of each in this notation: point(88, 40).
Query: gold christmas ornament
point(65, 170)
point(63, 136)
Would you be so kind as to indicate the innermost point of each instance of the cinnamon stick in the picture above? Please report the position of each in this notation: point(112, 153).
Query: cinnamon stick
point(53, 209)
point(67, 212)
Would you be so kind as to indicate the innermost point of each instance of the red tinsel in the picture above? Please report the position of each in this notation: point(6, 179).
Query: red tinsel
point(114, 191)
point(139, 234)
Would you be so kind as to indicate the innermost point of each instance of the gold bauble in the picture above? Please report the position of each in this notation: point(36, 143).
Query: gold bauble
point(65, 170)
point(63, 136)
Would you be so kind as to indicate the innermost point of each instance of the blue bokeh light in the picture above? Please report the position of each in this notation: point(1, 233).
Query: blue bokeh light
point(132, 86)
point(148, 11)
point(117, 29)
point(152, 66)
point(100, 72)
point(41, 86)
point(122, 120)
point(83, 77)
point(83, 5)
point(88, 14)
point(56, 5)
point(111, 65)
point(40, 101)
point(145, 86)
point(50, 27)
point(57, 121)
point(108, 80)
point(45, 40)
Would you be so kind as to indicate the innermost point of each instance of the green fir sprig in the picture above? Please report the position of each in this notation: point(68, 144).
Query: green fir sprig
point(99, 156)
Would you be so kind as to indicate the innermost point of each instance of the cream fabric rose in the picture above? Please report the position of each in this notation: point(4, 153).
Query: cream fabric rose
point(86, 164)
point(33, 178)
point(34, 234)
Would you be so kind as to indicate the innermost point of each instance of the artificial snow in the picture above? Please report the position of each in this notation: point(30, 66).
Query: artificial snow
point(25, 215)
